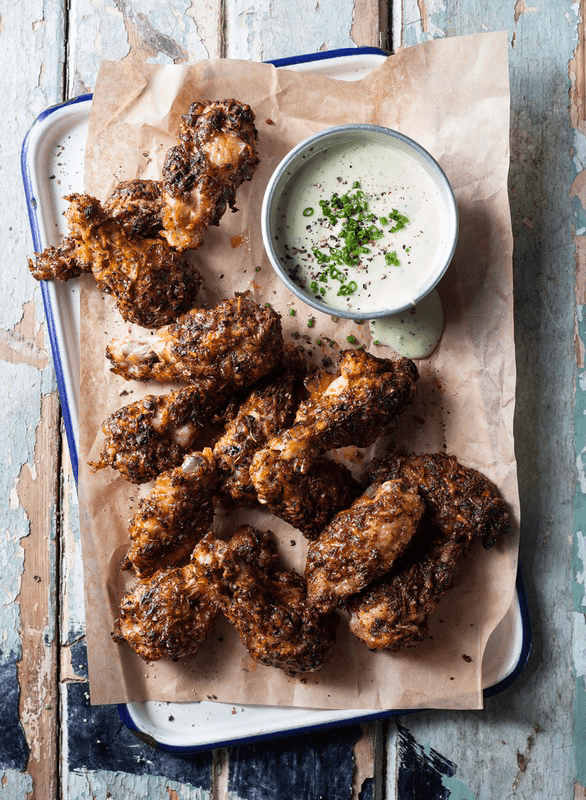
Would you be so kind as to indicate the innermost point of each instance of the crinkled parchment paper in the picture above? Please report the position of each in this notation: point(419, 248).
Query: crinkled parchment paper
point(451, 96)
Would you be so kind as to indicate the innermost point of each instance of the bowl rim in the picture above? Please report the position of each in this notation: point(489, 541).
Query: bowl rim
point(272, 193)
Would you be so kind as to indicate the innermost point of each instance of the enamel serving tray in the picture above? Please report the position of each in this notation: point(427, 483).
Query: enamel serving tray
point(52, 161)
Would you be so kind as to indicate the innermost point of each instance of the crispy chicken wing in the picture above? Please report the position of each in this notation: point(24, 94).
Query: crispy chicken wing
point(364, 401)
point(268, 408)
point(152, 435)
point(461, 505)
point(217, 151)
point(137, 206)
point(361, 543)
point(173, 516)
point(269, 607)
point(151, 283)
point(461, 501)
point(306, 500)
point(235, 343)
point(169, 614)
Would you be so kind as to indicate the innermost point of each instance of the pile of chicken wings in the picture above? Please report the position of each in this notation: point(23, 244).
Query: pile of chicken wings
point(383, 546)
point(253, 424)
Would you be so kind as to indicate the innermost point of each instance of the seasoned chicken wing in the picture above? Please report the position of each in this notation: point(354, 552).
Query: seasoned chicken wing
point(306, 500)
point(461, 501)
point(169, 614)
point(235, 343)
point(461, 505)
point(137, 206)
point(152, 435)
point(364, 401)
point(173, 516)
point(268, 408)
point(361, 543)
point(151, 283)
point(217, 151)
point(269, 607)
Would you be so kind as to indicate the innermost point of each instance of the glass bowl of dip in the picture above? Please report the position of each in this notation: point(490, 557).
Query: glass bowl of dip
point(359, 221)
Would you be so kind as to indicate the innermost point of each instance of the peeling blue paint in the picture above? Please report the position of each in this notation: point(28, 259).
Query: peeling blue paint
point(315, 766)
point(13, 747)
point(97, 740)
point(579, 560)
point(422, 771)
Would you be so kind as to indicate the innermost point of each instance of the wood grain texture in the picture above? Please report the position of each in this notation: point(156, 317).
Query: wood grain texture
point(529, 741)
point(31, 62)
point(507, 750)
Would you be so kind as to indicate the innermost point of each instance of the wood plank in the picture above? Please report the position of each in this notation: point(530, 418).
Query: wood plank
point(523, 741)
point(31, 59)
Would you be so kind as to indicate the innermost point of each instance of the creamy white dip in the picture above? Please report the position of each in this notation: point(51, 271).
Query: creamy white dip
point(391, 178)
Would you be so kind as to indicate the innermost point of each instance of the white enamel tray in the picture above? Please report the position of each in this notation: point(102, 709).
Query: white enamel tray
point(52, 166)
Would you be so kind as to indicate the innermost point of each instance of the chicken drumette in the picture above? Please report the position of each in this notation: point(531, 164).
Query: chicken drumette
point(170, 613)
point(151, 282)
point(306, 500)
point(361, 543)
point(355, 407)
point(461, 505)
point(268, 408)
point(234, 343)
point(152, 435)
point(267, 606)
point(364, 401)
point(173, 516)
point(217, 151)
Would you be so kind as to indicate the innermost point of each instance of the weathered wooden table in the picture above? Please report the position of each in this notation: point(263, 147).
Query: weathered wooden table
point(529, 741)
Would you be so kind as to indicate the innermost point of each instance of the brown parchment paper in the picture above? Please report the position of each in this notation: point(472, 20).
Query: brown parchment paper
point(452, 96)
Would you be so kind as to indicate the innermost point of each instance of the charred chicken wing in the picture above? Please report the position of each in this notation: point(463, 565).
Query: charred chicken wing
point(268, 408)
point(361, 543)
point(217, 151)
point(152, 435)
point(364, 401)
point(151, 283)
point(169, 614)
point(235, 343)
point(269, 607)
point(306, 500)
point(173, 516)
point(461, 505)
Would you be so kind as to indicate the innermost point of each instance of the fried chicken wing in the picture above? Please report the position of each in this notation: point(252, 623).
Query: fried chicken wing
point(269, 607)
point(461, 501)
point(393, 613)
point(268, 408)
point(173, 516)
point(152, 435)
point(461, 505)
point(137, 206)
point(235, 343)
point(306, 500)
point(364, 401)
point(361, 543)
point(167, 615)
point(152, 284)
point(217, 151)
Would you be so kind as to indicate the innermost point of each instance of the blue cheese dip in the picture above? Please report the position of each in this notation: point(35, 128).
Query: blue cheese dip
point(394, 266)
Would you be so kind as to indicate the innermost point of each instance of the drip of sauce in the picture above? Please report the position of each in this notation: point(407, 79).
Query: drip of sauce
point(414, 333)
